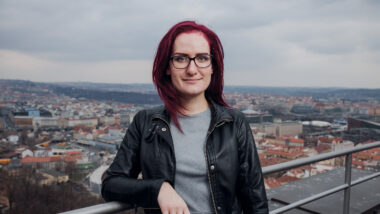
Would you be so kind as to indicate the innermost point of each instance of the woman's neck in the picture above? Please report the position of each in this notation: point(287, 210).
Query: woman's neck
point(194, 105)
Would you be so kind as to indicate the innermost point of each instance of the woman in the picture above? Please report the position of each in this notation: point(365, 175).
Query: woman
point(195, 154)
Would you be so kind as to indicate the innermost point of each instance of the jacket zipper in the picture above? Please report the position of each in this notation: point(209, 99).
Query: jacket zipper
point(172, 147)
point(207, 163)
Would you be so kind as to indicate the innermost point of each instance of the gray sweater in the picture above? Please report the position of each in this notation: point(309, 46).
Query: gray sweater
point(191, 173)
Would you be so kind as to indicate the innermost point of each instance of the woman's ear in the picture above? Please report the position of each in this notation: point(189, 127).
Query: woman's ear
point(168, 72)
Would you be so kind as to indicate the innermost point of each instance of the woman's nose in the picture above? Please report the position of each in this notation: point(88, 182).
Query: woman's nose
point(192, 68)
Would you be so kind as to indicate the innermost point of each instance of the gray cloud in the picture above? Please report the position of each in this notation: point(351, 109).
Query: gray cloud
point(287, 43)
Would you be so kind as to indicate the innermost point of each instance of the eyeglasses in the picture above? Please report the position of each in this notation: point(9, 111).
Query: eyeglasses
point(201, 61)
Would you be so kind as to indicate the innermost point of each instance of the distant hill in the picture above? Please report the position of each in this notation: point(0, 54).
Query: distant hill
point(137, 87)
point(119, 96)
point(93, 91)
point(146, 93)
point(345, 93)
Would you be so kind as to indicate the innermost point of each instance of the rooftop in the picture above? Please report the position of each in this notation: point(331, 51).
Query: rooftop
point(29, 159)
point(364, 196)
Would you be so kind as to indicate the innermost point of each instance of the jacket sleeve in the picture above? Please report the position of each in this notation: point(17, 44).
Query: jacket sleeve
point(120, 181)
point(251, 189)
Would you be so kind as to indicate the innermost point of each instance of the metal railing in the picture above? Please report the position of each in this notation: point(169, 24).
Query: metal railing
point(347, 178)
point(112, 207)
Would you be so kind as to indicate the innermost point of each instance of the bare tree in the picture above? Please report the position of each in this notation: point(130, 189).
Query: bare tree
point(26, 194)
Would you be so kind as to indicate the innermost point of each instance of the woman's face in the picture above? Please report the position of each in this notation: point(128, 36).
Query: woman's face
point(191, 81)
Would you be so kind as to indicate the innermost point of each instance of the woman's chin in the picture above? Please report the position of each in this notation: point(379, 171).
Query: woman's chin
point(192, 93)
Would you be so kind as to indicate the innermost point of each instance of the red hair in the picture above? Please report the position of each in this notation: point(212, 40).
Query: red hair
point(166, 90)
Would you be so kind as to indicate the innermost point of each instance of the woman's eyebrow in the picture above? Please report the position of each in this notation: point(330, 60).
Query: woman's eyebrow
point(183, 54)
point(205, 53)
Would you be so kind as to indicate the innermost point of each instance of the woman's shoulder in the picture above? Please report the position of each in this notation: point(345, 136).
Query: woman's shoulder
point(235, 112)
point(149, 112)
point(232, 113)
point(143, 118)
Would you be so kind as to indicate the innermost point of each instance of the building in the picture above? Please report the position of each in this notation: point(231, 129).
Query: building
point(289, 128)
point(301, 109)
point(107, 120)
point(287, 141)
point(45, 122)
point(32, 112)
point(357, 123)
point(267, 128)
point(63, 122)
point(374, 111)
point(53, 177)
point(66, 152)
point(279, 129)
point(42, 162)
point(284, 154)
point(92, 122)
point(125, 119)
point(114, 131)
point(24, 152)
point(13, 138)
point(23, 122)
point(96, 179)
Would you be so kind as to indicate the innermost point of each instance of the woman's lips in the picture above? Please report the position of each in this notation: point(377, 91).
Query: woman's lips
point(191, 80)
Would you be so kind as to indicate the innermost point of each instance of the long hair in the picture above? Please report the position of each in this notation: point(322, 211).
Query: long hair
point(166, 90)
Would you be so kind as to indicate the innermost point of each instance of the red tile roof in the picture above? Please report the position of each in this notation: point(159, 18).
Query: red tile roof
point(114, 127)
point(29, 159)
point(376, 157)
point(358, 163)
point(288, 154)
point(330, 140)
point(268, 161)
point(74, 153)
point(72, 159)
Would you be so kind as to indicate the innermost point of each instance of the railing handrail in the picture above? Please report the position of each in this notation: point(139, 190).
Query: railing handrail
point(112, 207)
point(316, 158)
point(105, 208)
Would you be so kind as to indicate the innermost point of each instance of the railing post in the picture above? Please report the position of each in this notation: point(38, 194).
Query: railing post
point(347, 180)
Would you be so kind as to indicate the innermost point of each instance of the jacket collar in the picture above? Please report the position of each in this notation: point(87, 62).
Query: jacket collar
point(218, 113)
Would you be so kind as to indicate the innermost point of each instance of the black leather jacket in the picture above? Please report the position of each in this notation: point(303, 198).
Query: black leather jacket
point(234, 172)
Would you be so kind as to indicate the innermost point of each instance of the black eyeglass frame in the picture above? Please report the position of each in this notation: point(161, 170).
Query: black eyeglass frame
point(192, 58)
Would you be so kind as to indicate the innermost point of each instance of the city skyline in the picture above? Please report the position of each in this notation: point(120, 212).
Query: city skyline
point(277, 44)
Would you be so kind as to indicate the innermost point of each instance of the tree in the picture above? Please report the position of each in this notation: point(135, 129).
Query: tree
point(26, 195)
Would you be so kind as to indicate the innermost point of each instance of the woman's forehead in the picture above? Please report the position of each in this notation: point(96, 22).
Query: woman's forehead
point(194, 41)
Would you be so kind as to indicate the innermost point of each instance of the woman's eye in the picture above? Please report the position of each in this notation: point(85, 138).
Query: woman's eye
point(203, 58)
point(180, 59)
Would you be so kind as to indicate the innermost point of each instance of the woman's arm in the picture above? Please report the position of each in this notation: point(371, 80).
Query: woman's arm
point(251, 189)
point(120, 182)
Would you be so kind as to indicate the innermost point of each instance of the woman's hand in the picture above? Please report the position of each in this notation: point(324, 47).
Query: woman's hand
point(170, 202)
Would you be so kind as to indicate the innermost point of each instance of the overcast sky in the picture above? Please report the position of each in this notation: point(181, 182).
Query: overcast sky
point(319, 43)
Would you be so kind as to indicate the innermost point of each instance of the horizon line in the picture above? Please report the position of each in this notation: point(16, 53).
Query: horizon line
point(229, 85)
